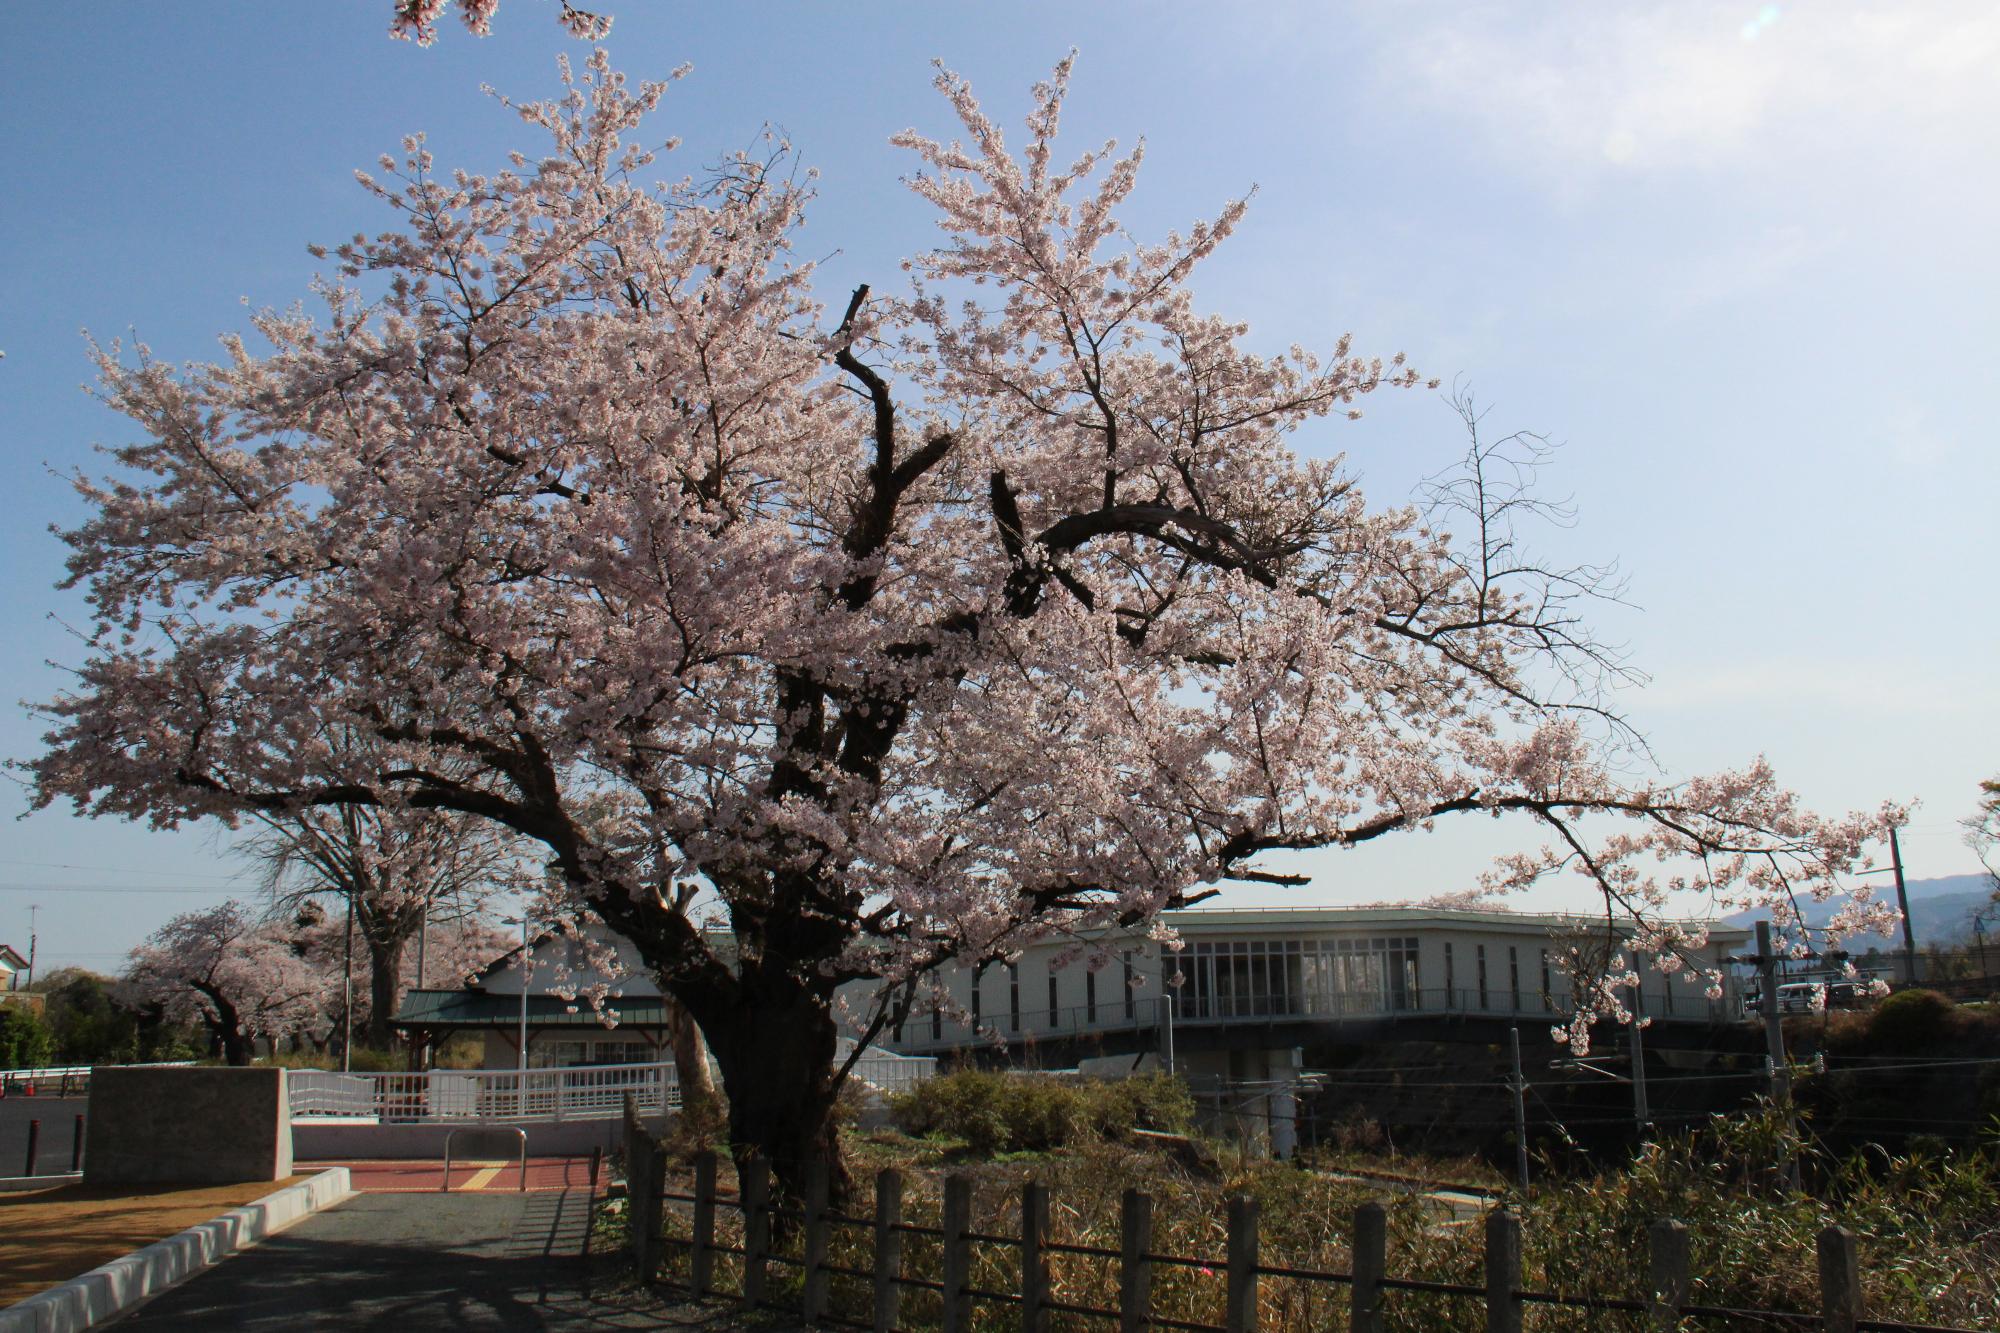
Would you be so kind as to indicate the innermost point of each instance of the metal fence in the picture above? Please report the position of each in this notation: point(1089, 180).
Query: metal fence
point(587, 1092)
point(1499, 1304)
point(63, 1080)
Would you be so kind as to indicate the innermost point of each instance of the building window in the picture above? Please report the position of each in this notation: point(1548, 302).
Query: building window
point(1548, 984)
point(1089, 996)
point(1128, 987)
point(1480, 958)
point(978, 975)
point(937, 1021)
point(1014, 997)
point(1278, 978)
point(1055, 1010)
point(1514, 976)
point(1450, 981)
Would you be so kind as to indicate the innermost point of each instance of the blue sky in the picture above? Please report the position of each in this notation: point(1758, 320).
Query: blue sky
point(1736, 259)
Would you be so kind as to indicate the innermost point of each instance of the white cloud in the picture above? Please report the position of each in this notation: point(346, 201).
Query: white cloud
point(1683, 84)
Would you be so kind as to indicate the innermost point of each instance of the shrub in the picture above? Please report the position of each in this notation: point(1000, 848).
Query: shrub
point(25, 1040)
point(1910, 1019)
point(995, 1112)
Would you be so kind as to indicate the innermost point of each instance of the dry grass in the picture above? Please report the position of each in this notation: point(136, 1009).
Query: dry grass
point(50, 1236)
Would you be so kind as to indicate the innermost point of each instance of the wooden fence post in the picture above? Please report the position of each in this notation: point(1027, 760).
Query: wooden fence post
point(1135, 1270)
point(957, 1253)
point(813, 1300)
point(1371, 1261)
point(1503, 1271)
point(644, 1172)
point(1667, 1272)
point(1839, 1280)
point(888, 1248)
point(1034, 1259)
point(753, 1188)
point(701, 1254)
point(1240, 1309)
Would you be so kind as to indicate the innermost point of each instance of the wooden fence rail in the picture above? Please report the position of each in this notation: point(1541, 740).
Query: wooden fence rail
point(1371, 1289)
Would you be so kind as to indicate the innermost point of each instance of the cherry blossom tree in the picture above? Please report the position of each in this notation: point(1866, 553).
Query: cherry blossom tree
point(456, 949)
point(240, 977)
point(399, 867)
point(892, 634)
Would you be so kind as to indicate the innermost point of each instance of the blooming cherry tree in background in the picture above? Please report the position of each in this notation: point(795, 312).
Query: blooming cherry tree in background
point(896, 634)
point(241, 978)
point(455, 951)
point(401, 868)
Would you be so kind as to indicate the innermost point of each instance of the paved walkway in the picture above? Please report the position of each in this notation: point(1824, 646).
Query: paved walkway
point(402, 1261)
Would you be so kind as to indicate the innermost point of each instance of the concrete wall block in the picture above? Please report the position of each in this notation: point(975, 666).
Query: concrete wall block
point(192, 1126)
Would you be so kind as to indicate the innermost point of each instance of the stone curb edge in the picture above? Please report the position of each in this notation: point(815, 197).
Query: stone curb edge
point(115, 1287)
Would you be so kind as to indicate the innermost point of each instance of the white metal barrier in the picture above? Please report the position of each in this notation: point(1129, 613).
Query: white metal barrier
point(62, 1080)
point(590, 1092)
point(587, 1092)
point(889, 1072)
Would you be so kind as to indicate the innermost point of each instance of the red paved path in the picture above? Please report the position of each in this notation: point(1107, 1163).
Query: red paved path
point(408, 1176)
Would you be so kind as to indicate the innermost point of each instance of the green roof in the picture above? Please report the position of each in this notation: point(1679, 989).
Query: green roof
point(480, 1009)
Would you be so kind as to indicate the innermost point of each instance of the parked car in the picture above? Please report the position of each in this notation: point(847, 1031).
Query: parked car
point(1796, 997)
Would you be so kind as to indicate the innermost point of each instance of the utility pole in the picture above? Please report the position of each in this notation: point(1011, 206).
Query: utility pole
point(1774, 1027)
point(423, 938)
point(1520, 1112)
point(1774, 1038)
point(347, 995)
point(527, 959)
point(1642, 1114)
point(1903, 903)
point(33, 908)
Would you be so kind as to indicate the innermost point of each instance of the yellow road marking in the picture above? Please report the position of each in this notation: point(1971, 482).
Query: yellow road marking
point(484, 1176)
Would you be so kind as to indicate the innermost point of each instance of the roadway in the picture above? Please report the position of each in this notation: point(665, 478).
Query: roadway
point(58, 1116)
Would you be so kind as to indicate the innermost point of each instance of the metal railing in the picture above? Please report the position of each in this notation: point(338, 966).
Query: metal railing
point(64, 1080)
point(590, 1092)
point(585, 1092)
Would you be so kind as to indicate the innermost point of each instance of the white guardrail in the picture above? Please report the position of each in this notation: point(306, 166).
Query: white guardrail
point(589, 1092)
point(62, 1080)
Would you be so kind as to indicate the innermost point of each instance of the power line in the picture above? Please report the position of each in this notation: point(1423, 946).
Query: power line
point(59, 889)
point(116, 870)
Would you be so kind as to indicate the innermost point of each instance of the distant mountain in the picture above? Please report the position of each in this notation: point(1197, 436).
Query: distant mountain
point(1940, 909)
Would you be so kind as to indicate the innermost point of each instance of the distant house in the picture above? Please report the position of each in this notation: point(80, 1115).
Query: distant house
point(564, 1030)
point(13, 976)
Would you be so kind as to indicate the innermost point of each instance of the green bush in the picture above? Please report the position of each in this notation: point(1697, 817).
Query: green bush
point(1910, 1020)
point(994, 1112)
point(25, 1040)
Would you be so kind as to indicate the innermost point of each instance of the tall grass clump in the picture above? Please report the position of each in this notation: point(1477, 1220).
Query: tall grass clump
point(992, 1113)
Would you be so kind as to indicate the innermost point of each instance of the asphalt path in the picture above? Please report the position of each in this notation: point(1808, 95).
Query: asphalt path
point(399, 1261)
point(58, 1116)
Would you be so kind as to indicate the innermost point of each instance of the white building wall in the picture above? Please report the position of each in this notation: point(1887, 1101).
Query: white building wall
point(1328, 985)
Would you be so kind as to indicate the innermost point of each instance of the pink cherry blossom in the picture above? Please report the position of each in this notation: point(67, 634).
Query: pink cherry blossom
point(888, 634)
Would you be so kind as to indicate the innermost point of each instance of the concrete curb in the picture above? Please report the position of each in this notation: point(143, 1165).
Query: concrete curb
point(115, 1287)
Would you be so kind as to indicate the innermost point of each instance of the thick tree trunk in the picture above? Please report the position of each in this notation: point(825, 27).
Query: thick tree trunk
point(385, 988)
point(690, 1055)
point(775, 1045)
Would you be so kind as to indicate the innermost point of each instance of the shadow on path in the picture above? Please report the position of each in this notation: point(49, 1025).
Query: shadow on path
point(401, 1261)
